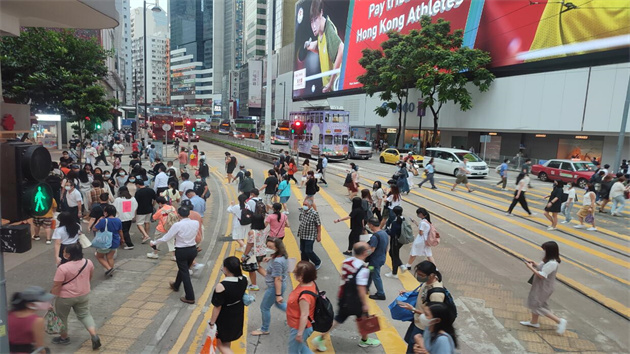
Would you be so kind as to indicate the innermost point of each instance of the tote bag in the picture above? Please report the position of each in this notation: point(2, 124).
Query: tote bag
point(103, 239)
point(399, 313)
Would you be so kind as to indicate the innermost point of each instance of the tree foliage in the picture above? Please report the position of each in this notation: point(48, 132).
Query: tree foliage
point(56, 71)
point(445, 67)
point(432, 60)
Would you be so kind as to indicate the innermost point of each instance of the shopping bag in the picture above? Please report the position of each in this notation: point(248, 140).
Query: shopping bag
point(589, 218)
point(210, 345)
point(54, 324)
point(84, 241)
point(103, 239)
point(368, 324)
point(399, 313)
point(250, 264)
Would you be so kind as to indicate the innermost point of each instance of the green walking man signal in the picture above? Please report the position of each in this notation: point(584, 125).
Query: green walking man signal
point(39, 201)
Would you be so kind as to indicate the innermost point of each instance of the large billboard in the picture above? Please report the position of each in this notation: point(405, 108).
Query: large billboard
point(255, 69)
point(330, 34)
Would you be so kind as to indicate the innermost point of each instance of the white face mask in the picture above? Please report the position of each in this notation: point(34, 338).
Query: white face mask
point(38, 305)
point(68, 188)
point(425, 322)
point(122, 174)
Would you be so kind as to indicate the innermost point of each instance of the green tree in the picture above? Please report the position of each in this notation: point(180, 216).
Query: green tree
point(57, 71)
point(445, 68)
point(387, 72)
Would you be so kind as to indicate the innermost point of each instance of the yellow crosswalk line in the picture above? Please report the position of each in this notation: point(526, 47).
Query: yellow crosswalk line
point(390, 339)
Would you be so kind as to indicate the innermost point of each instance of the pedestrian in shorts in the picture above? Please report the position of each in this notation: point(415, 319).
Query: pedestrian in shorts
point(270, 187)
point(462, 171)
point(44, 221)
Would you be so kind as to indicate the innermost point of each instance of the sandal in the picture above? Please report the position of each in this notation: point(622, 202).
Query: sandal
point(259, 332)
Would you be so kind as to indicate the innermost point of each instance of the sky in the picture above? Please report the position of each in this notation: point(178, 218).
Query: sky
point(138, 3)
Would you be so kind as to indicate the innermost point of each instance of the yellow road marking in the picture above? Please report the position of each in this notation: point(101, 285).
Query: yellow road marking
point(575, 231)
point(390, 339)
point(610, 303)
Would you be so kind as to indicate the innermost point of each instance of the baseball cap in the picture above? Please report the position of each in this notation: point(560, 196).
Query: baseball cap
point(33, 294)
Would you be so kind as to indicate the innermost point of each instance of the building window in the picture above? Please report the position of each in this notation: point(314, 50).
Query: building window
point(261, 11)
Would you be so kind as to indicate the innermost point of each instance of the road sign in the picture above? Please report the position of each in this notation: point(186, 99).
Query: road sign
point(484, 138)
point(166, 127)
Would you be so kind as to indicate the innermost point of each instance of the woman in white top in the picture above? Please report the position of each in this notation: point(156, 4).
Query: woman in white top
point(126, 207)
point(616, 195)
point(378, 196)
point(239, 232)
point(543, 281)
point(522, 181)
point(419, 246)
point(588, 209)
point(66, 233)
point(393, 200)
point(172, 194)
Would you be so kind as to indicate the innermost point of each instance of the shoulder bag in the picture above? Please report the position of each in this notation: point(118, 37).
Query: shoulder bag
point(103, 239)
point(79, 273)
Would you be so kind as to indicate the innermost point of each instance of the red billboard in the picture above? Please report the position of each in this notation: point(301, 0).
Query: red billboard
point(330, 34)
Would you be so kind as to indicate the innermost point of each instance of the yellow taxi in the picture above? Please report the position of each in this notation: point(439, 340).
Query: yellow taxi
point(392, 156)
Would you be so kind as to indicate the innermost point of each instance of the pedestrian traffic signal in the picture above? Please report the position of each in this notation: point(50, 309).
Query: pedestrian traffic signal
point(297, 127)
point(24, 168)
point(98, 126)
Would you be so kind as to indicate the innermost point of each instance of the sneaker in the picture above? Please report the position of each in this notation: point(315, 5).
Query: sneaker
point(592, 229)
point(48, 242)
point(370, 342)
point(110, 273)
point(286, 212)
point(318, 343)
point(198, 266)
point(579, 226)
point(377, 297)
point(433, 187)
point(152, 255)
point(36, 238)
point(508, 214)
point(402, 268)
point(503, 189)
point(173, 259)
point(318, 266)
point(144, 240)
point(190, 271)
point(529, 324)
point(419, 186)
point(562, 326)
point(96, 342)
point(253, 288)
point(128, 247)
point(59, 340)
point(551, 228)
point(347, 253)
point(563, 222)
point(391, 275)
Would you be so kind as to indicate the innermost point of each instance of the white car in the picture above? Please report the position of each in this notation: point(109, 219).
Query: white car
point(447, 160)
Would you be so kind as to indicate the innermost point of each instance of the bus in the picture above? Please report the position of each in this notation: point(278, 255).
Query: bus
point(280, 132)
point(248, 126)
point(326, 133)
point(157, 121)
point(214, 125)
point(225, 127)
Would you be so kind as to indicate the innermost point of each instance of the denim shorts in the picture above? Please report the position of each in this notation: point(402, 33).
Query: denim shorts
point(283, 200)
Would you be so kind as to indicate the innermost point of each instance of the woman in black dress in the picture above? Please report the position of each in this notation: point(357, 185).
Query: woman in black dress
point(229, 310)
point(555, 203)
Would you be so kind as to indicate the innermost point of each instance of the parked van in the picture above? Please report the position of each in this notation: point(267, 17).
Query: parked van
point(358, 148)
point(447, 160)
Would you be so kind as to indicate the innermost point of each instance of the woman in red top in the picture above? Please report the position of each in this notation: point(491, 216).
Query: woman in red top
point(301, 308)
point(26, 328)
point(291, 170)
point(194, 157)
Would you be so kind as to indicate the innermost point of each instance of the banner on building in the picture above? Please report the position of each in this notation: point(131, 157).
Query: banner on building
point(330, 34)
point(254, 99)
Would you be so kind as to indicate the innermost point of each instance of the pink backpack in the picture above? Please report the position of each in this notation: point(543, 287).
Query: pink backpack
point(433, 239)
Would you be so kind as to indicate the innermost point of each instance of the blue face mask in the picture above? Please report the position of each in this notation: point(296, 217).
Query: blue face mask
point(305, 207)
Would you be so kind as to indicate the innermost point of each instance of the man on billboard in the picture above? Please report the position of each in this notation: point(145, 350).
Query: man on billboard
point(328, 45)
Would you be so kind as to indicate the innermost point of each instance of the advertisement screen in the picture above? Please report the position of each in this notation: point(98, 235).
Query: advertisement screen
point(255, 83)
point(330, 34)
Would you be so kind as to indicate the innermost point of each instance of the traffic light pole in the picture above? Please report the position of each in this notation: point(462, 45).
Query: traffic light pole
point(4, 331)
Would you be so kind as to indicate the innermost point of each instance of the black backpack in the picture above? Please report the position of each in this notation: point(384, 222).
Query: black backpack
point(246, 216)
point(233, 160)
point(348, 178)
point(260, 205)
point(448, 300)
point(350, 295)
point(324, 313)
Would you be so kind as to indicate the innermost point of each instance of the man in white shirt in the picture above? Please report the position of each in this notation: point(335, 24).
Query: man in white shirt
point(161, 181)
point(119, 150)
point(185, 185)
point(185, 232)
point(73, 200)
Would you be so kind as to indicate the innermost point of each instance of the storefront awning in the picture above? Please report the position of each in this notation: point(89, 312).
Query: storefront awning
point(87, 14)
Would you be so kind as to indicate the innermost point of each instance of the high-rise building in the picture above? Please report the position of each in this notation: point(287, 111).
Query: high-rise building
point(192, 72)
point(255, 28)
point(122, 45)
point(231, 49)
point(157, 47)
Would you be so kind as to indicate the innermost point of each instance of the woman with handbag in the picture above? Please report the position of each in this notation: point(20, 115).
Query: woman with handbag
point(66, 233)
point(255, 250)
point(543, 282)
point(26, 327)
point(229, 310)
point(378, 196)
point(587, 212)
point(72, 288)
point(276, 280)
point(427, 274)
point(277, 222)
point(108, 223)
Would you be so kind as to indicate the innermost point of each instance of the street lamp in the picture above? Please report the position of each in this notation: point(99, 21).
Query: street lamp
point(155, 9)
